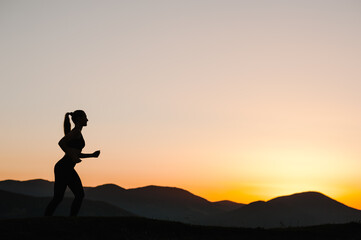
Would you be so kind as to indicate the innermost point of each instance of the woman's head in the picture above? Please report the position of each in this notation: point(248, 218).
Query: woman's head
point(78, 117)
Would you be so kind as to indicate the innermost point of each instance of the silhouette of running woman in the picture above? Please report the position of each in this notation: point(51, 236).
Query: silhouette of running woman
point(65, 175)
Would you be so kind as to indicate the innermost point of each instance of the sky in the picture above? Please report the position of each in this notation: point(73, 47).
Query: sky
point(239, 100)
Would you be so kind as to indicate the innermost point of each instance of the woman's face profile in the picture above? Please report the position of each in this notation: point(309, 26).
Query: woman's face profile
point(82, 120)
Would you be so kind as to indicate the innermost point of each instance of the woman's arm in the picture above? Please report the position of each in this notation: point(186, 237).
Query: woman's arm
point(89, 155)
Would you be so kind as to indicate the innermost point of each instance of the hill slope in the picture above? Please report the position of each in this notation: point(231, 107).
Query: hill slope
point(228, 205)
point(13, 205)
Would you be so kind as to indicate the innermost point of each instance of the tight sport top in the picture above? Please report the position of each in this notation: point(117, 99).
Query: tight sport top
point(77, 143)
point(66, 162)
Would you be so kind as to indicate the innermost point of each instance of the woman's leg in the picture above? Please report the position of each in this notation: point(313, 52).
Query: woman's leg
point(76, 187)
point(59, 189)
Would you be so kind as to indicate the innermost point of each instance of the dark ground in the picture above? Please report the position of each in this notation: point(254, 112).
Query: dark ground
point(142, 228)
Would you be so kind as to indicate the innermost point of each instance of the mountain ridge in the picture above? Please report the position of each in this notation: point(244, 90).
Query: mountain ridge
point(176, 204)
point(40, 181)
point(299, 209)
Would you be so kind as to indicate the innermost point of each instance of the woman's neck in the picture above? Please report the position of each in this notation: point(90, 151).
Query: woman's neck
point(78, 127)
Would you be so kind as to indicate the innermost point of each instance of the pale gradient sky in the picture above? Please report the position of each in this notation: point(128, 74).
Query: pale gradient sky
point(238, 100)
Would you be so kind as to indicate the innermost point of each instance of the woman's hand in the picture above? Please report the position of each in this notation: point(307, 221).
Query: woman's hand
point(96, 154)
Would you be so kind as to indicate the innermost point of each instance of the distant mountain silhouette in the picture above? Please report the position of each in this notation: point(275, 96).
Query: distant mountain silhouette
point(167, 203)
point(301, 209)
point(175, 204)
point(14, 205)
point(35, 187)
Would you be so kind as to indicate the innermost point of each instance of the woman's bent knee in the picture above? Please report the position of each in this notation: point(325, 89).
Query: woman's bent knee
point(79, 195)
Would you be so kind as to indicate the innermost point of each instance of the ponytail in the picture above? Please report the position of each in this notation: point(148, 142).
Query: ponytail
point(67, 125)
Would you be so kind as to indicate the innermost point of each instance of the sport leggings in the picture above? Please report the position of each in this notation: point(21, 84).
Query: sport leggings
point(66, 176)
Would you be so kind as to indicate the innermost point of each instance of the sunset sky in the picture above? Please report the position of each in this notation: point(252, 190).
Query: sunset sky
point(239, 100)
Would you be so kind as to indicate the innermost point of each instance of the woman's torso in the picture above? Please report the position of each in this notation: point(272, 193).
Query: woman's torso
point(76, 143)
